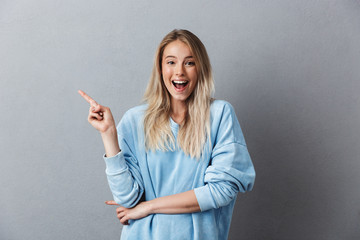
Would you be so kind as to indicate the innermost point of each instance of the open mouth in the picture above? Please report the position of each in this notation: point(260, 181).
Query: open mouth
point(179, 84)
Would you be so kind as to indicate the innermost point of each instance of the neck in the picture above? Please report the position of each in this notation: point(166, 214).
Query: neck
point(178, 110)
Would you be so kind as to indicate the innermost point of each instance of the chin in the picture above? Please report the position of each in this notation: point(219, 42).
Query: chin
point(180, 98)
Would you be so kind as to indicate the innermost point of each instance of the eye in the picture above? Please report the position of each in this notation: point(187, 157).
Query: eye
point(190, 63)
point(170, 62)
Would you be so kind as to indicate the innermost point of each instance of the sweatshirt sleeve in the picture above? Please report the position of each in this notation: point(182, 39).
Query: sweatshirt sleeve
point(231, 169)
point(122, 170)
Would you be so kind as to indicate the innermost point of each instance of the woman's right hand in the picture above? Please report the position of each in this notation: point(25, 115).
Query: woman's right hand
point(100, 117)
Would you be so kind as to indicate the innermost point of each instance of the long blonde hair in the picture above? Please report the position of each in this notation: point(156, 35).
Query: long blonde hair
point(195, 129)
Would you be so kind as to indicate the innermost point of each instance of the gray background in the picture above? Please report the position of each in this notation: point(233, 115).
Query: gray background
point(290, 69)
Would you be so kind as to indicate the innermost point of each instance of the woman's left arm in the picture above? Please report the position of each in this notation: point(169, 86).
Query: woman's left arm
point(185, 202)
point(231, 171)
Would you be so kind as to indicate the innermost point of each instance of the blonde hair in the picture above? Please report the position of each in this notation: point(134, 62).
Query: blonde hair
point(194, 131)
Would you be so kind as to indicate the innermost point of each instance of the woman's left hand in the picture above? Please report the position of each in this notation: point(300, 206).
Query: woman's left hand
point(125, 214)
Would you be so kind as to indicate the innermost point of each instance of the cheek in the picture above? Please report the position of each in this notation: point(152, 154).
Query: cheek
point(194, 76)
point(165, 77)
point(166, 72)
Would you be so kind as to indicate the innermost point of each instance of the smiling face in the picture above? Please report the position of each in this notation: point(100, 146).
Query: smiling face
point(179, 71)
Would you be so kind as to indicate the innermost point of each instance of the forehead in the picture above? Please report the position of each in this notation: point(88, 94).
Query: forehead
point(177, 48)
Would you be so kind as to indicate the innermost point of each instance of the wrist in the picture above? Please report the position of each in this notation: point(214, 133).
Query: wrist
point(149, 207)
point(110, 131)
point(110, 141)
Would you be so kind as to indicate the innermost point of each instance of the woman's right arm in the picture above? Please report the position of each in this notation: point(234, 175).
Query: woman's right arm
point(111, 143)
point(122, 170)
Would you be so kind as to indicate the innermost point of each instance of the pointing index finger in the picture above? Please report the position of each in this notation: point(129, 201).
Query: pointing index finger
point(88, 98)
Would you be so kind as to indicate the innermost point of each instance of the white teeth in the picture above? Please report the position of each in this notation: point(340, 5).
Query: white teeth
point(180, 82)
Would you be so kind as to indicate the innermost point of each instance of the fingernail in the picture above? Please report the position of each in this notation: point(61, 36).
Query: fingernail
point(92, 109)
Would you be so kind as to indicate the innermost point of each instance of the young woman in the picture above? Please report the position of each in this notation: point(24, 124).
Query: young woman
point(176, 163)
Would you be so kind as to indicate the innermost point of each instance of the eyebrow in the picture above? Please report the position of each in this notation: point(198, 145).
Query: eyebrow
point(170, 56)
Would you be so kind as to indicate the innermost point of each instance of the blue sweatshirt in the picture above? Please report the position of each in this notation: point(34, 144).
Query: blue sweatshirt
point(224, 169)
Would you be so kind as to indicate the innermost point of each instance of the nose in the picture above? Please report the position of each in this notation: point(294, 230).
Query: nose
point(179, 71)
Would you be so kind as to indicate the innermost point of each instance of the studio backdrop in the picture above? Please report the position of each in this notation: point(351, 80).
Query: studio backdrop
point(290, 69)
